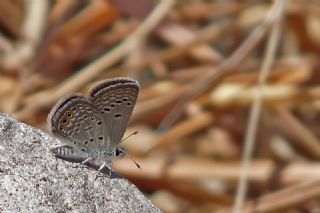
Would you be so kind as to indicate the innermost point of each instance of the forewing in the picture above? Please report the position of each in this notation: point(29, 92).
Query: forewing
point(115, 99)
point(79, 123)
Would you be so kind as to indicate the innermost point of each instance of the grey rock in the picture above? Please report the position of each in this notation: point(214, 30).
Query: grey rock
point(33, 180)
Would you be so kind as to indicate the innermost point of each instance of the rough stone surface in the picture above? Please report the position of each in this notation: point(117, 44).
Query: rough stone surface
point(33, 180)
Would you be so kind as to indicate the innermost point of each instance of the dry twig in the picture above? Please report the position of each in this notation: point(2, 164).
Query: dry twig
point(256, 107)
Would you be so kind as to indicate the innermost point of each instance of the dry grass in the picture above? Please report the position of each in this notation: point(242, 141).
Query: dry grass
point(229, 92)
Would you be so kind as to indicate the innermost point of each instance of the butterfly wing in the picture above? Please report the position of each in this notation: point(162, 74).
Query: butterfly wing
point(115, 99)
point(78, 123)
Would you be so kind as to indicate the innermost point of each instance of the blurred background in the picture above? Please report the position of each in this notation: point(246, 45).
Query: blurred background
point(199, 64)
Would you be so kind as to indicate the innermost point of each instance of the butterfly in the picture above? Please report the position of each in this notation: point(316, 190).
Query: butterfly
point(92, 128)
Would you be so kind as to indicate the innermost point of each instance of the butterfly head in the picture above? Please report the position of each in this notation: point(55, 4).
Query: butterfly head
point(120, 152)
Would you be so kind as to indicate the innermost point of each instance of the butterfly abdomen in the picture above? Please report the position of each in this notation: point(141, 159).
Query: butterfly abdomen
point(68, 153)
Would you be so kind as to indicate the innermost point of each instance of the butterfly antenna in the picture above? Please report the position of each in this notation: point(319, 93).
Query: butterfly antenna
point(135, 162)
point(137, 165)
point(134, 133)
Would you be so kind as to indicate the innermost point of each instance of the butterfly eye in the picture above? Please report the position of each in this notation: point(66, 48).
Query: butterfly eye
point(117, 152)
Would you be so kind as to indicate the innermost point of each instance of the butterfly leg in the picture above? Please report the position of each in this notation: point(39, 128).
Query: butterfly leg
point(86, 160)
point(83, 162)
point(102, 167)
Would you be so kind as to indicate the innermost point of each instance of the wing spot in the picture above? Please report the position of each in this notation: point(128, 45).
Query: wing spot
point(106, 109)
point(92, 118)
point(86, 142)
point(99, 123)
point(69, 114)
point(64, 121)
point(125, 99)
point(82, 150)
point(117, 115)
point(91, 139)
point(100, 138)
point(74, 142)
point(112, 105)
point(118, 101)
point(129, 104)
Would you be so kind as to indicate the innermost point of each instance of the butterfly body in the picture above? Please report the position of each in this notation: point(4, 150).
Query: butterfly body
point(91, 128)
